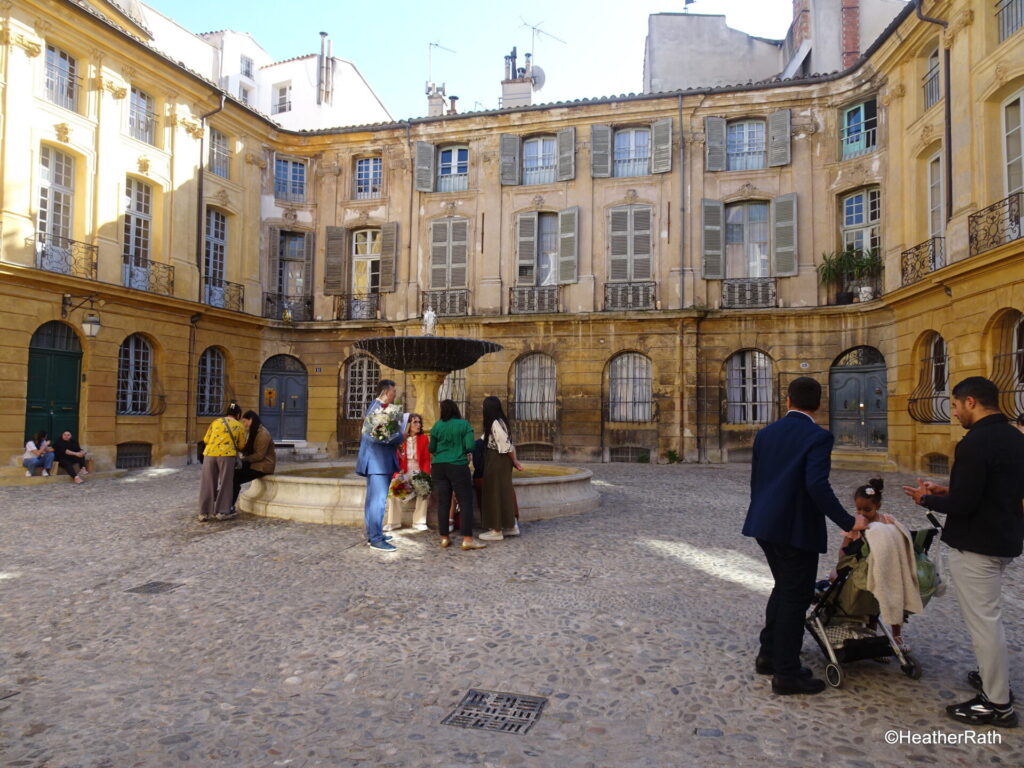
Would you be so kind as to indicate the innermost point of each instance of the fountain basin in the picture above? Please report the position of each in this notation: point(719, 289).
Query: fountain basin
point(443, 354)
point(332, 494)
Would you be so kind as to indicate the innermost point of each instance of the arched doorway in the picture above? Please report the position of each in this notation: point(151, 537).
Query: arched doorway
point(858, 400)
point(54, 373)
point(283, 400)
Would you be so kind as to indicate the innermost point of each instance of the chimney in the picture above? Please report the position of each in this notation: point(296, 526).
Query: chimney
point(452, 100)
point(517, 87)
point(435, 100)
point(850, 40)
point(800, 29)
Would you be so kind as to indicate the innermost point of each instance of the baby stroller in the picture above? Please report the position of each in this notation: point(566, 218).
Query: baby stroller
point(846, 635)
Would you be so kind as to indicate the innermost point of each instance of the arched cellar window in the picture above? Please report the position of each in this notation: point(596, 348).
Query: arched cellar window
point(630, 388)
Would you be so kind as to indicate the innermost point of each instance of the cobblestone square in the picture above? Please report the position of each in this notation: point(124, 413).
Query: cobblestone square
point(285, 644)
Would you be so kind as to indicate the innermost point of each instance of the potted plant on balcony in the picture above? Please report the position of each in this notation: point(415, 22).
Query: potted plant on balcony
point(839, 269)
point(868, 270)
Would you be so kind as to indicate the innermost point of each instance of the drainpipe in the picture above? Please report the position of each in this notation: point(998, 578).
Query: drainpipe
point(189, 443)
point(199, 195)
point(947, 111)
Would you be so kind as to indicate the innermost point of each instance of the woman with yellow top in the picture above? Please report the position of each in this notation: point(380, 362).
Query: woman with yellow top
point(224, 439)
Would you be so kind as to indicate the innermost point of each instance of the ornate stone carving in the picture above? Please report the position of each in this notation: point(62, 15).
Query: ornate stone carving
point(192, 128)
point(30, 47)
point(143, 164)
point(694, 138)
point(363, 218)
point(63, 131)
point(927, 133)
point(959, 23)
point(1001, 73)
point(257, 159)
point(747, 192)
point(449, 207)
point(116, 89)
point(632, 196)
point(128, 73)
point(42, 26)
point(898, 91)
point(538, 201)
point(290, 215)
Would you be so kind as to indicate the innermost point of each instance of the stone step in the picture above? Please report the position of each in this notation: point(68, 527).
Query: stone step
point(10, 476)
point(863, 461)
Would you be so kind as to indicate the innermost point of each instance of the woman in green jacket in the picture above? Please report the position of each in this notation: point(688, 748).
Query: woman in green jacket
point(450, 440)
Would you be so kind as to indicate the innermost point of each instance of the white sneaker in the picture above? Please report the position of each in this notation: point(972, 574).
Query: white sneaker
point(45, 473)
point(491, 536)
point(391, 527)
point(420, 527)
point(28, 473)
point(513, 531)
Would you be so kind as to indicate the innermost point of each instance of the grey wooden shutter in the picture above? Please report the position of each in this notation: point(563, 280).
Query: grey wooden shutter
point(439, 246)
point(714, 143)
point(568, 248)
point(640, 231)
point(388, 256)
point(334, 262)
point(459, 258)
point(308, 245)
point(712, 225)
point(785, 236)
point(779, 134)
point(618, 244)
point(526, 248)
point(424, 174)
point(600, 151)
point(274, 259)
point(661, 138)
point(510, 165)
point(566, 140)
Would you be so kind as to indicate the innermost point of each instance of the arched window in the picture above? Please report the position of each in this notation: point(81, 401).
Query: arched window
point(57, 336)
point(134, 375)
point(929, 402)
point(361, 376)
point(210, 388)
point(1008, 363)
point(630, 392)
point(454, 388)
point(748, 387)
point(534, 388)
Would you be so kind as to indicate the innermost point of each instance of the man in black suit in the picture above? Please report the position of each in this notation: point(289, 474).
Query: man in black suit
point(790, 497)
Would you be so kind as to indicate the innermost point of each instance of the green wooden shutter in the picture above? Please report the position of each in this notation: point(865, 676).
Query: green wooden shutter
point(568, 248)
point(600, 151)
point(566, 142)
point(712, 225)
point(334, 261)
point(618, 244)
point(640, 231)
point(459, 258)
point(388, 256)
point(714, 143)
point(273, 260)
point(424, 173)
point(526, 248)
point(439, 247)
point(510, 165)
point(785, 236)
point(779, 133)
point(308, 249)
point(661, 138)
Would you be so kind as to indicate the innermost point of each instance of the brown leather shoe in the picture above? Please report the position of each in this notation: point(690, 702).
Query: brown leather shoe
point(445, 542)
point(469, 543)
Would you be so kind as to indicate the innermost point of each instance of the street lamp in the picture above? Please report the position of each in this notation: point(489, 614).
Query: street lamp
point(91, 324)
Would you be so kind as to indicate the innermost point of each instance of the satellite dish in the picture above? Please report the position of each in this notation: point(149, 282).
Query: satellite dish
point(538, 78)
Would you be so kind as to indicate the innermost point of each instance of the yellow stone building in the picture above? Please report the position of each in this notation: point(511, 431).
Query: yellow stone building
point(649, 262)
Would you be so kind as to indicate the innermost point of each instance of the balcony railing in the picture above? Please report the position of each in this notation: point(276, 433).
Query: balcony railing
point(632, 166)
point(996, 225)
point(453, 182)
point(858, 141)
point(142, 125)
point(1009, 17)
point(220, 162)
point(749, 293)
point(62, 88)
point(280, 306)
point(367, 190)
point(146, 275)
point(1008, 376)
point(539, 174)
point(357, 306)
point(221, 293)
point(923, 258)
point(64, 255)
point(450, 303)
point(930, 407)
point(289, 192)
point(525, 300)
point(931, 88)
point(627, 296)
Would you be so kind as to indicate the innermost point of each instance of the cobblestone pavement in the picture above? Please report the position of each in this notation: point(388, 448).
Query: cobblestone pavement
point(296, 645)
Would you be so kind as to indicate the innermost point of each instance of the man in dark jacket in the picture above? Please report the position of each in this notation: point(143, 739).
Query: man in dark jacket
point(985, 530)
point(790, 497)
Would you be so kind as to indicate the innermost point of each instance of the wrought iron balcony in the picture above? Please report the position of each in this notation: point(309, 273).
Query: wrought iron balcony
point(64, 255)
point(289, 191)
point(221, 293)
point(627, 296)
point(147, 275)
point(357, 306)
point(280, 306)
point(996, 225)
point(62, 87)
point(453, 302)
point(749, 293)
point(929, 407)
point(142, 124)
point(923, 258)
point(859, 140)
point(531, 299)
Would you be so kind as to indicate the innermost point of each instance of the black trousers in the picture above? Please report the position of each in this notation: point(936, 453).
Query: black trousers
point(449, 478)
point(243, 475)
point(794, 571)
point(67, 463)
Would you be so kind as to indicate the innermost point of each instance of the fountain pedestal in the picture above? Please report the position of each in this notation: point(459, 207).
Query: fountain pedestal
point(425, 385)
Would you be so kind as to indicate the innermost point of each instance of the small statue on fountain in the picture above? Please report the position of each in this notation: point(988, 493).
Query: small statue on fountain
point(429, 321)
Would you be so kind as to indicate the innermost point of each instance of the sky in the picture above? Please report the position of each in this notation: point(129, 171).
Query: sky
point(599, 50)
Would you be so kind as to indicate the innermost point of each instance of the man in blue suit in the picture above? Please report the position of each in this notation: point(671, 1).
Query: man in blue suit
point(378, 462)
point(790, 497)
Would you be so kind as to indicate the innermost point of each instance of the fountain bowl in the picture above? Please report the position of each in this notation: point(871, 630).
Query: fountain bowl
point(427, 353)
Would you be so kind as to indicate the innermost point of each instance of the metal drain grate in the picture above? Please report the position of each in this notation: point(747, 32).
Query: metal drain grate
point(154, 587)
point(496, 711)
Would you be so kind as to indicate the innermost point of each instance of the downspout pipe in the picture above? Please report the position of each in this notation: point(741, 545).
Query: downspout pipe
point(199, 194)
point(947, 112)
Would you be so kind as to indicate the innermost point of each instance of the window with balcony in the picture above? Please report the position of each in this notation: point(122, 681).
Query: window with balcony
point(745, 145)
point(1009, 17)
point(630, 388)
point(291, 269)
point(290, 180)
point(210, 383)
point(540, 156)
point(749, 244)
point(141, 116)
point(281, 98)
point(138, 228)
point(861, 214)
point(368, 177)
point(453, 169)
point(538, 159)
point(1013, 141)
point(62, 80)
point(215, 256)
point(932, 94)
point(366, 244)
point(936, 198)
point(134, 376)
point(220, 154)
point(247, 66)
point(858, 133)
point(748, 388)
point(747, 240)
point(54, 245)
point(632, 152)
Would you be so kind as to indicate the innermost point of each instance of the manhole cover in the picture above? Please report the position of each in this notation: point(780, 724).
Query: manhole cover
point(496, 711)
point(6, 693)
point(154, 587)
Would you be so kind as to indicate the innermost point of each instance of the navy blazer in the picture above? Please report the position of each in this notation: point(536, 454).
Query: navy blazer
point(790, 495)
point(377, 458)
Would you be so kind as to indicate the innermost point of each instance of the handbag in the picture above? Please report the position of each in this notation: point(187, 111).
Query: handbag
point(200, 447)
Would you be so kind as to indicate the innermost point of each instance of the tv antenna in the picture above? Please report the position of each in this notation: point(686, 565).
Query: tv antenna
point(536, 30)
point(430, 52)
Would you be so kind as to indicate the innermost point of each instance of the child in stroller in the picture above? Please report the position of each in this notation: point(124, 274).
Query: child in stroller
point(844, 617)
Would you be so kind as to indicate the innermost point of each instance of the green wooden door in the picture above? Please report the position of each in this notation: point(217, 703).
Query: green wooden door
point(54, 373)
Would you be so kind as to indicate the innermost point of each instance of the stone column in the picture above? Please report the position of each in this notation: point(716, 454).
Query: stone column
point(425, 385)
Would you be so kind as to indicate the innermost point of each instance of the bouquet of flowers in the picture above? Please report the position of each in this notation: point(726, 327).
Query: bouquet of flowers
point(399, 488)
point(421, 484)
point(382, 424)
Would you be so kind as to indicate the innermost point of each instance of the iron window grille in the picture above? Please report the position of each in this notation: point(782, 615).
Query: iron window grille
point(1008, 369)
point(535, 385)
point(64, 255)
point(929, 402)
point(369, 175)
point(361, 376)
point(630, 454)
point(247, 65)
point(932, 94)
point(280, 306)
point(134, 376)
point(57, 336)
point(357, 306)
point(996, 225)
point(629, 296)
point(62, 81)
point(923, 258)
point(134, 455)
point(534, 452)
point(224, 294)
point(450, 303)
point(210, 389)
point(751, 293)
point(1009, 17)
point(936, 464)
point(749, 390)
point(525, 300)
point(630, 389)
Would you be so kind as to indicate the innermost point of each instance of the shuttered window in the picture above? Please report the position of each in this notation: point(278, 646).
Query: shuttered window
point(632, 152)
point(936, 201)
point(629, 240)
point(449, 251)
point(546, 247)
point(745, 145)
point(746, 240)
point(365, 261)
point(540, 156)
point(712, 240)
point(453, 169)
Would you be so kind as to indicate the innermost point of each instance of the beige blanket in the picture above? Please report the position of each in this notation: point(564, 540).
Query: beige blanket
point(892, 571)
